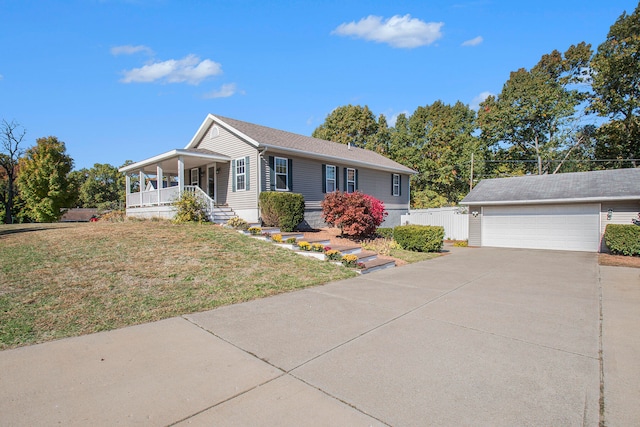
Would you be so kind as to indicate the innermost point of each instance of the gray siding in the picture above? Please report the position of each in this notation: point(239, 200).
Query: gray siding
point(307, 180)
point(234, 147)
point(475, 226)
point(622, 213)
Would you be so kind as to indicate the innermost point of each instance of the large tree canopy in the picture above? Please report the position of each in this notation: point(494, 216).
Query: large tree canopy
point(44, 180)
point(616, 87)
point(101, 187)
point(534, 117)
point(349, 124)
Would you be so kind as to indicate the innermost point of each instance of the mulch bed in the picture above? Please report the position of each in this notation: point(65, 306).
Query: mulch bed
point(619, 260)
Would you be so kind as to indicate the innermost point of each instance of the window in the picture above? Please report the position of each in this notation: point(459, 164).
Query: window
point(281, 173)
point(241, 174)
point(395, 184)
point(195, 177)
point(350, 185)
point(330, 181)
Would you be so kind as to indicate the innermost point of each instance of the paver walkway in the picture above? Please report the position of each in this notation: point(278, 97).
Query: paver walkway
point(478, 337)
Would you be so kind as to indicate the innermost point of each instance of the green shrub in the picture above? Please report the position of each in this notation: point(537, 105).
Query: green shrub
point(461, 243)
point(419, 238)
point(280, 209)
point(385, 233)
point(623, 239)
point(190, 208)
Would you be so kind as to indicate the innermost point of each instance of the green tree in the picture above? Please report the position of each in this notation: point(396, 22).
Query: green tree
point(616, 87)
point(442, 143)
point(103, 187)
point(44, 180)
point(11, 137)
point(349, 124)
point(534, 118)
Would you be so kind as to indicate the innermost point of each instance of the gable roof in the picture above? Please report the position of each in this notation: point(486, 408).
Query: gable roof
point(617, 184)
point(304, 146)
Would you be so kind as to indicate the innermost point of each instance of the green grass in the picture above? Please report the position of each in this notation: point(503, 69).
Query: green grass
point(62, 280)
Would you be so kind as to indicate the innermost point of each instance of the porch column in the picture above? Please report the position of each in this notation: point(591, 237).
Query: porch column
point(127, 189)
point(159, 183)
point(180, 175)
point(141, 178)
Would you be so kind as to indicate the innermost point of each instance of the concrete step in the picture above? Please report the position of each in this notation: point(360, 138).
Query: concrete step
point(288, 235)
point(347, 249)
point(377, 264)
point(366, 256)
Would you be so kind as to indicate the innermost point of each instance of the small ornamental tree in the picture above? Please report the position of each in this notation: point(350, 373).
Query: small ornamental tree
point(356, 214)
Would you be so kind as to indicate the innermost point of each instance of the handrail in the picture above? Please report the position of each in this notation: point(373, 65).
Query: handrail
point(209, 202)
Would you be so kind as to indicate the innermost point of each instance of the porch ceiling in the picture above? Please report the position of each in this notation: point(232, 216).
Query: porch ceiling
point(168, 161)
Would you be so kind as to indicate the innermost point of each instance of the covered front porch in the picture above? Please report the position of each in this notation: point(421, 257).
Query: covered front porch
point(152, 185)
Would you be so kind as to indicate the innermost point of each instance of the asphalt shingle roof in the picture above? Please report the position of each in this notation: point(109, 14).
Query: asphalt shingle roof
point(276, 138)
point(606, 184)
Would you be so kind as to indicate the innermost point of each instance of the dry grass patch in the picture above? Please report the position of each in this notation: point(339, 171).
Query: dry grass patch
point(63, 280)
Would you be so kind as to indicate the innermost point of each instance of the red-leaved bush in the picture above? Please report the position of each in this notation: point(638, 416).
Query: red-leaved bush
point(356, 214)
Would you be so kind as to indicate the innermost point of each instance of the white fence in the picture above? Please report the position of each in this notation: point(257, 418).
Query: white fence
point(455, 220)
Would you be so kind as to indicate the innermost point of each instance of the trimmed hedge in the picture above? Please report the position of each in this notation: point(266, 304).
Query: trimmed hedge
point(280, 209)
point(419, 238)
point(623, 239)
point(385, 233)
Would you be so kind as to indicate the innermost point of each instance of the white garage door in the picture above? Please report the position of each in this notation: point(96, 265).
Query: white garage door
point(561, 227)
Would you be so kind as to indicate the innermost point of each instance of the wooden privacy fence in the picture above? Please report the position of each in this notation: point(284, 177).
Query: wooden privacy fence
point(455, 220)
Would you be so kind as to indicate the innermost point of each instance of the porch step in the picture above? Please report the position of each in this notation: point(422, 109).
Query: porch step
point(288, 235)
point(366, 256)
point(222, 214)
point(325, 242)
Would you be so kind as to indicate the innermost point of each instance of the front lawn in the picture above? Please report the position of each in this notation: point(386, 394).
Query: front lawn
point(61, 280)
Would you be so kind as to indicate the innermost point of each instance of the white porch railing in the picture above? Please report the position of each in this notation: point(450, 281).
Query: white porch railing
point(150, 198)
point(204, 197)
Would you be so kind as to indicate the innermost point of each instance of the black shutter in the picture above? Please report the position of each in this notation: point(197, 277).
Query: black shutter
point(337, 179)
point(346, 187)
point(356, 174)
point(392, 177)
point(272, 173)
point(324, 178)
point(290, 173)
point(399, 185)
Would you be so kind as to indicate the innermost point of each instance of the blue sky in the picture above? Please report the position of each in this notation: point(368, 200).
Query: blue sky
point(129, 79)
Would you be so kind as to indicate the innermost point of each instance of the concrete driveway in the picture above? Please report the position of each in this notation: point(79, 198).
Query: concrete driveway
point(477, 337)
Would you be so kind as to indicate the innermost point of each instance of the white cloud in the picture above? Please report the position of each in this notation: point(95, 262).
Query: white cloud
point(397, 31)
point(130, 50)
point(225, 91)
point(475, 102)
point(190, 69)
point(473, 42)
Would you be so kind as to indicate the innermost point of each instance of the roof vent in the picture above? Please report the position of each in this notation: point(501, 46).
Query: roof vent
point(215, 131)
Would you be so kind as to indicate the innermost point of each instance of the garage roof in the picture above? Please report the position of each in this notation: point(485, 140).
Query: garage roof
point(617, 184)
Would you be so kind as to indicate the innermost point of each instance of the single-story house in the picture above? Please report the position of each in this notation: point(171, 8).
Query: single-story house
point(567, 211)
point(228, 163)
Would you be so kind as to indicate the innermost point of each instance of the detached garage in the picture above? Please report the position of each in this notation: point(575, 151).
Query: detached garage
point(561, 212)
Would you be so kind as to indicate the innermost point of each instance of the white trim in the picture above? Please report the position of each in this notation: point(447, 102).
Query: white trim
point(551, 201)
point(395, 189)
point(201, 132)
point(276, 173)
point(170, 154)
point(347, 181)
point(243, 174)
point(335, 178)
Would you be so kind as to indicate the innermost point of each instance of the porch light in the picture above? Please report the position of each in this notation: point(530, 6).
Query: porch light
point(474, 213)
point(609, 214)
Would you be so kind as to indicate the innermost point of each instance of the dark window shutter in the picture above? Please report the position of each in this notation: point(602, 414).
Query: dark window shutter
point(337, 179)
point(392, 176)
point(356, 173)
point(344, 172)
point(324, 178)
point(399, 185)
point(247, 179)
point(233, 176)
point(272, 174)
point(290, 174)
